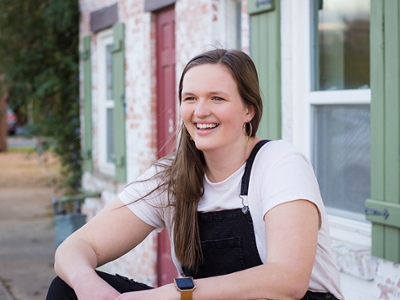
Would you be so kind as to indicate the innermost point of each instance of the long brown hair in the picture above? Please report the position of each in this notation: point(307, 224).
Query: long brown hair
point(182, 174)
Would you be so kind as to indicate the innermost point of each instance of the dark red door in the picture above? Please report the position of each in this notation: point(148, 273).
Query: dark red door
point(166, 118)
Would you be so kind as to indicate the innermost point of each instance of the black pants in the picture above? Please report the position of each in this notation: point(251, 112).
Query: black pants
point(59, 290)
point(318, 296)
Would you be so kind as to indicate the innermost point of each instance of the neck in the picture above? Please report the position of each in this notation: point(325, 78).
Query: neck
point(222, 163)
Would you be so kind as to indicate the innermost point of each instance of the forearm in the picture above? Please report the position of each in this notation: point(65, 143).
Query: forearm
point(90, 246)
point(269, 281)
point(74, 259)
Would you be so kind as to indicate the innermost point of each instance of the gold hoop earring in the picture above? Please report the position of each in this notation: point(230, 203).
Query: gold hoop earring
point(186, 132)
point(245, 130)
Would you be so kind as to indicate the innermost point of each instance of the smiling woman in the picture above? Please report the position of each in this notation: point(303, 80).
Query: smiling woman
point(212, 108)
point(244, 215)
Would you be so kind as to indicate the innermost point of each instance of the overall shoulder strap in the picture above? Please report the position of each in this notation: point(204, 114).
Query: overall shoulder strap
point(249, 164)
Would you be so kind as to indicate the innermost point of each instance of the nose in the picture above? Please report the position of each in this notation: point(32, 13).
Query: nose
point(202, 109)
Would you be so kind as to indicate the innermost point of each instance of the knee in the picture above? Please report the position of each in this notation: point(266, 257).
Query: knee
point(60, 290)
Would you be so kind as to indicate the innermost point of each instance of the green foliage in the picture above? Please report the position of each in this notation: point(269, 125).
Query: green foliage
point(39, 56)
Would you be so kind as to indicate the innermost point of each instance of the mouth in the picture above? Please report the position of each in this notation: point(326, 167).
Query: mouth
point(206, 126)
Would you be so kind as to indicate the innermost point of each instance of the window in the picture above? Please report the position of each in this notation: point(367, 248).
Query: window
point(340, 44)
point(341, 155)
point(105, 103)
point(339, 106)
point(326, 87)
point(230, 24)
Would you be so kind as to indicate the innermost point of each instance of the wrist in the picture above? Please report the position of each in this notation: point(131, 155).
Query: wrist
point(83, 276)
point(169, 292)
point(185, 286)
point(91, 286)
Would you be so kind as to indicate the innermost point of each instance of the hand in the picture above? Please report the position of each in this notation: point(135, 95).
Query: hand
point(95, 288)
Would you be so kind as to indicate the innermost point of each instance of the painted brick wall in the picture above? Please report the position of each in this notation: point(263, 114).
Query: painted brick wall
point(198, 27)
point(140, 125)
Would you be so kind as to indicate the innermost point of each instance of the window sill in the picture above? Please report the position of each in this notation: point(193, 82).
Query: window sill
point(347, 229)
point(351, 247)
point(107, 169)
point(99, 182)
point(354, 260)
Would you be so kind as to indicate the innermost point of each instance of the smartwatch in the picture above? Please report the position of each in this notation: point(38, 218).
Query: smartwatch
point(186, 286)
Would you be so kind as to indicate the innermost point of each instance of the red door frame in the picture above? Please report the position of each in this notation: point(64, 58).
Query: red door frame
point(166, 119)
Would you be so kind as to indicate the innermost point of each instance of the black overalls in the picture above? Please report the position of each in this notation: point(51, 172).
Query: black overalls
point(228, 243)
point(228, 240)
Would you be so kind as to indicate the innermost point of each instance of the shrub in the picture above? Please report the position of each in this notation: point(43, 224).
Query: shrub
point(40, 59)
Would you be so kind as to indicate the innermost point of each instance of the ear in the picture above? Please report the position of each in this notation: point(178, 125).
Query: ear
point(250, 112)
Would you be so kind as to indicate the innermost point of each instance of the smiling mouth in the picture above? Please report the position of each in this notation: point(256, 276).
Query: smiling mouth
point(206, 126)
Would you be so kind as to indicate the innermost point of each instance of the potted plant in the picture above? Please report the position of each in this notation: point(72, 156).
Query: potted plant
point(68, 216)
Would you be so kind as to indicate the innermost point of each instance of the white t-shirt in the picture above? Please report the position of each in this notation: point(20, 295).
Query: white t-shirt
point(280, 173)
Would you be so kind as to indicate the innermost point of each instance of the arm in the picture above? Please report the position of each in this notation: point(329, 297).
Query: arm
point(291, 236)
point(110, 234)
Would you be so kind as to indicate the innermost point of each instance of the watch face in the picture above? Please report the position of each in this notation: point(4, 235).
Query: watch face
point(184, 283)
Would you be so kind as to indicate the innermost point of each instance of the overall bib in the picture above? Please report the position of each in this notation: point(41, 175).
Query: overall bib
point(228, 240)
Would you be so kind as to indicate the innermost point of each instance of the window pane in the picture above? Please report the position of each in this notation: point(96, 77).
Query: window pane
point(110, 135)
point(340, 38)
point(109, 66)
point(341, 155)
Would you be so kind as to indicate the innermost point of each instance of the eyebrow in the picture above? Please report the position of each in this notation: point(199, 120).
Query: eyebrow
point(187, 93)
point(218, 92)
point(210, 93)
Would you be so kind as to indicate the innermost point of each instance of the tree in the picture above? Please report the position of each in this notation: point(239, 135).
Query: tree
point(40, 59)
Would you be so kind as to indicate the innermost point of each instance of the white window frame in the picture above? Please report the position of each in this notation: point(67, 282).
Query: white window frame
point(298, 98)
point(103, 38)
point(227, 33)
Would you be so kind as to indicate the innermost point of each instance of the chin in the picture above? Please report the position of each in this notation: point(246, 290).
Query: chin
point(204, 146)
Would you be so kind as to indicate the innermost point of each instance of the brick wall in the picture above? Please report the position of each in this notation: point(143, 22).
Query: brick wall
point(140, 124)
point(198, 26)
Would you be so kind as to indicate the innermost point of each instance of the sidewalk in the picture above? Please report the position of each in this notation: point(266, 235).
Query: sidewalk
point(26, 229)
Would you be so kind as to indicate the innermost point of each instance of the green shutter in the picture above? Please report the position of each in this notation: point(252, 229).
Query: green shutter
point(265, 50)
point(87, 105)
point(118, 53)
point(385, 130)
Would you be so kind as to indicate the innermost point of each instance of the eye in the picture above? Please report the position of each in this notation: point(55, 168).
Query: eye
point(218, 98)
point(189, 99)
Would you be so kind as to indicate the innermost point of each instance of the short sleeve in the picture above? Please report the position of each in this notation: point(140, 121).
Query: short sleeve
point(288, 176)
point(147, 205)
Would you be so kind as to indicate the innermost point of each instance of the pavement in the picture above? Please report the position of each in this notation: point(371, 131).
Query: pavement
point(26, 224)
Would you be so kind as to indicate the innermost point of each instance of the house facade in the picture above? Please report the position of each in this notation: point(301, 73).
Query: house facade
point(329, 72)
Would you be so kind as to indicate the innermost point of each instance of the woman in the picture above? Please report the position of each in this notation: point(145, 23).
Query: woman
point(245, 216)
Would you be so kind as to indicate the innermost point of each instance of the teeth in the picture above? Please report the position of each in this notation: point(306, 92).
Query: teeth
point(204, 126)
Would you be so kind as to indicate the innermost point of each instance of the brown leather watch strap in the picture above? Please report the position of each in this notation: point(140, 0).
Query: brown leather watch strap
point(186, 287)
point(186, 295)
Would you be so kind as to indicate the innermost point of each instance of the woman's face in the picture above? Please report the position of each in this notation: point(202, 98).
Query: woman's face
point(212, 109)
